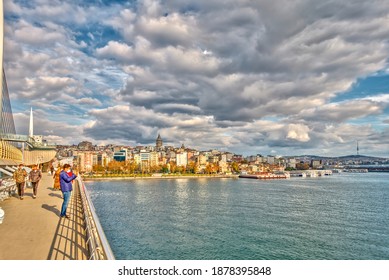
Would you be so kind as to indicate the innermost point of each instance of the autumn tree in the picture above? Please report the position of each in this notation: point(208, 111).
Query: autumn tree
point(173, 166)
point(235, 167)
point(192, 167)
point(211, 168)
point(302, 166)
point(116, 166)
point(98, 168)
point(164, 168)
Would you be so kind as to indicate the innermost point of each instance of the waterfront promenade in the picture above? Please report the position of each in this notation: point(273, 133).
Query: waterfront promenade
point(33, 230)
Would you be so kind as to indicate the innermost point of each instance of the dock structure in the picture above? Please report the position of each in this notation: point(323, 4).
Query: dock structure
point(32, 229)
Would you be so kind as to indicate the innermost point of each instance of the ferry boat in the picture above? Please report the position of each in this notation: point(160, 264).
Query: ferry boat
point(264, 175)
point(363, 170)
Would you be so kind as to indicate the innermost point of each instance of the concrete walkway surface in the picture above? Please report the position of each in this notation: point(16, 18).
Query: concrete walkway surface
point(33, 230)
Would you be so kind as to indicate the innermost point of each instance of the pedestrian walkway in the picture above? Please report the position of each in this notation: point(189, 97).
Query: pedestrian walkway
point(33, 230)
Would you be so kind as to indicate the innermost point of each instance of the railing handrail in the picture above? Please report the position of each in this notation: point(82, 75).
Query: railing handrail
point(25, 139)
point(7, 187)
point(99, 245)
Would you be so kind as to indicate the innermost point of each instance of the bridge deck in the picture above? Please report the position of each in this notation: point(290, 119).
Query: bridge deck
point(33, 230)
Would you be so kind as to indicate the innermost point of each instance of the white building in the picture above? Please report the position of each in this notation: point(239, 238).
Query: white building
point(154, 159)
point(271, 160)
point(182, 159)
point(291, 163)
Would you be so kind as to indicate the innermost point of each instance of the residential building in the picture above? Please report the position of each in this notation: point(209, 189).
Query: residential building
point(154, 159)
point(85, 161)
point(213, 159)
point(316, 163)
point(271, 159)
point(120, 155)
point(137, 159)
point(144, 160)
point(182, 159)
point(223, 158)
point(202, 159)
point(103, 159)
point(291, 163)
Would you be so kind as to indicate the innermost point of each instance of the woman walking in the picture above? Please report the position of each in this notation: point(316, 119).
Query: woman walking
point(57, 186)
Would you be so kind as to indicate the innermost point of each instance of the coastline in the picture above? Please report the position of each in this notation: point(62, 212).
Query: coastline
point(100, 178)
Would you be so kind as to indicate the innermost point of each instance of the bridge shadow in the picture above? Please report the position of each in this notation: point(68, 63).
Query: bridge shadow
point(69, 242)
point(55, 195)
point(27, 194)
point(52, 208)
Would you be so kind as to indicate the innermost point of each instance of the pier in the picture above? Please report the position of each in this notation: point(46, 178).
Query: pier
point(33, 230)
point(370, 168)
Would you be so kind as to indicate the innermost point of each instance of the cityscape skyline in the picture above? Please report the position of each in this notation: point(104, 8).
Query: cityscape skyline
point(258, 78)
point(159, 146)
point(169, 159)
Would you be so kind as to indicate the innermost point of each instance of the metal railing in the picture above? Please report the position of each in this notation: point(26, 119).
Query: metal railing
point(14, 137)
point(26, 139)
point(99, 247)
point(7, 187)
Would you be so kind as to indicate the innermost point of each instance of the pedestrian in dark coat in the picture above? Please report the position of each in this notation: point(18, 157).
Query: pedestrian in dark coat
point(34, 177)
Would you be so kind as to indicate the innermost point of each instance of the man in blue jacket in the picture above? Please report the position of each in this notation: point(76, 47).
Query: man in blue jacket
point(65, 180)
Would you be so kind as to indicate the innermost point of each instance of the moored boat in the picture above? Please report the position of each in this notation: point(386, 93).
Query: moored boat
point(264, 175)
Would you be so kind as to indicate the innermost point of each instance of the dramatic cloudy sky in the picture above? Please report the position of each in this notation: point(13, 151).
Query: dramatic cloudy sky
point(271, 77)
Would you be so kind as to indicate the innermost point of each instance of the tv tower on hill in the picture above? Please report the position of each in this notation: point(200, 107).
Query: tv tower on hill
point(357, 148)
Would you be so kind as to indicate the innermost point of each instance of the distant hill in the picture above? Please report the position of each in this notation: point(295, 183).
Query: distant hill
point(355, 156)
point(348, 157)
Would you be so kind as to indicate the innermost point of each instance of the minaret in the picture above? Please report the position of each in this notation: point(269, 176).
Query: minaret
point(31, 128)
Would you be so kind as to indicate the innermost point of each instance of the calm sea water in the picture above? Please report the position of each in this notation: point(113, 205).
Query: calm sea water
point(338, 217)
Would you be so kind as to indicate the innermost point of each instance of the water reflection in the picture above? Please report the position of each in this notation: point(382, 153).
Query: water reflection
point(342, 217)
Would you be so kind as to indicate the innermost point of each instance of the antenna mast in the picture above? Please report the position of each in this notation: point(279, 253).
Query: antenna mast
point(358, 148)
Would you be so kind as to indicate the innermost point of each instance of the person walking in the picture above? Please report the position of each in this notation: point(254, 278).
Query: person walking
point(20, 176)
point(66, 188)
point(57, 185)
point(34, 177)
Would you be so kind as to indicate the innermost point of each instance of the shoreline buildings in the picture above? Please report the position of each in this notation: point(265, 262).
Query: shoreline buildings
point(164, 159)
point(167, 159)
